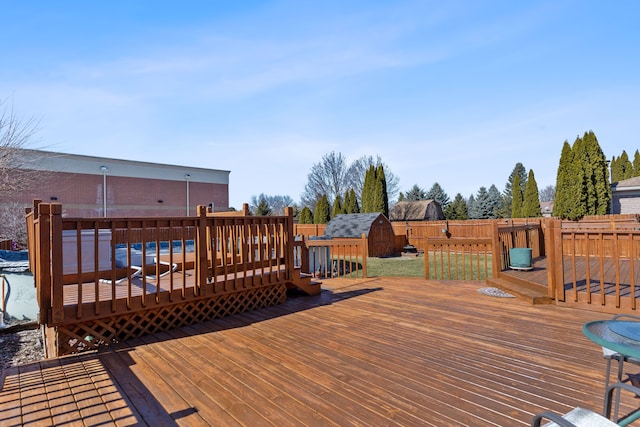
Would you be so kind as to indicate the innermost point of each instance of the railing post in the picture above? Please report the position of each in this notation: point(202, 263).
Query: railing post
point(496, 250)
point(427, 272)
point(201, 263)
point(56, 263)
point(542, 236)
point(365, 255)
point(289, 243)
point(553, 249)
point(304, 256)
point(43, 270)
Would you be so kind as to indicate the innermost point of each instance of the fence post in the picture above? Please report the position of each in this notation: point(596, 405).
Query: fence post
point(496, 250)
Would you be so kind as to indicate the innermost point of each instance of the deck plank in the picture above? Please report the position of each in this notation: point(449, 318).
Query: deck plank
point(387, 351)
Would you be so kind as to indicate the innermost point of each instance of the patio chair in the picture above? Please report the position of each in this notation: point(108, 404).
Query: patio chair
point(149, 263)
point(581, 417)
point(139, 267)
point(611, 355)
point(578, 417)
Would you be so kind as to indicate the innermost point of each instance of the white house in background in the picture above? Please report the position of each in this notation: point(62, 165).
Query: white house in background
point(546, 208)
point(625, 196)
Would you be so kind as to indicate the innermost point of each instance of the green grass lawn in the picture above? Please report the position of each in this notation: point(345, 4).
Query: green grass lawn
point(413, 266)
point(396, 266)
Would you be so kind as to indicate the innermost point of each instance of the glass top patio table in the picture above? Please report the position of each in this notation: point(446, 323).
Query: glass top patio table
point(621, 336)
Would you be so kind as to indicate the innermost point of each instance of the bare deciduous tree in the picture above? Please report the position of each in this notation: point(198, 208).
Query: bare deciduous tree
point(328, 178)
point(274, 204)
point(332, 177)
point(15, 134)
point(548, 193)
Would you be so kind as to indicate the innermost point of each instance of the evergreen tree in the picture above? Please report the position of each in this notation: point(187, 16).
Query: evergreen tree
point(579, 191)
point(401, 197)
point(305, 216)
point(416, 193)
point(351, 206)
point(457, 209)
point(337, 207)
point(561, 204)
point(347, 201)
point(616, 170)
point(438, 194)
point(483, 207)
point(521, 173)
point(531, 205)
point(583, 186)
point(626, 166)
point(263, 208)
point(517, 199)
point(471, 207)
point(368, 190)
point(636, 163)
point(597, 176)
point(322, 212)
point(495, 200)
point(381, 199)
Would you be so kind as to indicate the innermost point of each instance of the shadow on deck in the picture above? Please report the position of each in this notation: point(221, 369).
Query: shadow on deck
point(388, 351)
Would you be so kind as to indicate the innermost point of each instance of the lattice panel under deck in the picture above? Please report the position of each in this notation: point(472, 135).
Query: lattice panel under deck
point(88, 335)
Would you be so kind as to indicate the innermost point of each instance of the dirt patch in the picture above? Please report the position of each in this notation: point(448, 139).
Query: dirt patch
point(20, 344)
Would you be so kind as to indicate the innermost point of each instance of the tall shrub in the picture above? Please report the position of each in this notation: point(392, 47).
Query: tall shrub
point(322, 212)
point(531, 204)
point(516, 198)
point(305, 216)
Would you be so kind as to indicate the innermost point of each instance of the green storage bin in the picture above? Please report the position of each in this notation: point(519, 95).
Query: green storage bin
point(520, 258)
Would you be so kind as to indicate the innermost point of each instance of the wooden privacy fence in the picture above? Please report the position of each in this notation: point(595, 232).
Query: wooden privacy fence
point(595, 265)
point(108, 279)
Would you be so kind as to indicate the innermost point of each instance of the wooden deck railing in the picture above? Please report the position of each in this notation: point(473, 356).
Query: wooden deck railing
point(479, 257)
point(327, 258)
point(87, 268)
point(595, 265)
point(527, 235)
point(458, 259)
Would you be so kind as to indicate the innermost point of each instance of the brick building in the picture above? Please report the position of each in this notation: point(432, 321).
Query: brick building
point(103, 187)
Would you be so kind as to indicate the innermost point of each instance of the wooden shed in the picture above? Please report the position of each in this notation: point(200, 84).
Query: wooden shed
point(375, 226)
point(419, 210)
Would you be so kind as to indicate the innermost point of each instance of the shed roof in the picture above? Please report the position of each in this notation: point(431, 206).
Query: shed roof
point(351, 225)
point(417, 210)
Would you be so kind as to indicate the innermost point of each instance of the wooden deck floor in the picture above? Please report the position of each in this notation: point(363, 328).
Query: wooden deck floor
point(389, 351)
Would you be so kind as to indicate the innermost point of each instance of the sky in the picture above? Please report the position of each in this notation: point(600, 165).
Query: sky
point(453, 92)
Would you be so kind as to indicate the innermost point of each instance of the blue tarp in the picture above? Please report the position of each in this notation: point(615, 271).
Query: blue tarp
point(15, 261)
point(14, 255)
